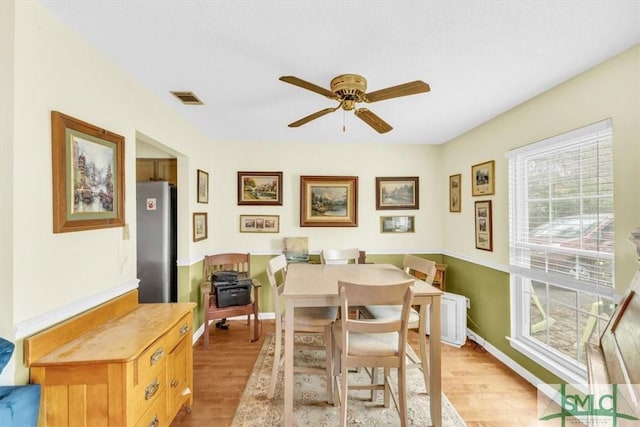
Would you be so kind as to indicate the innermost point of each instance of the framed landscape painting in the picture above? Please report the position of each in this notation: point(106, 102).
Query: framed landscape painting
point(483, 179)
point(88, 175)
point(328, 201)
point(260, 188)
point(397, 193)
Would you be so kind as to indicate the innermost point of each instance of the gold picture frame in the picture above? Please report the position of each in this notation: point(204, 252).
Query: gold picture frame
point(259, 223)
point(397, 224)
point(203, 186)
point(483, 179)
point(260, 188)
point(455, 193)
point(328, 201)
point(397, 192)
point(483, 225)
point(200, 226)
point(88, 175)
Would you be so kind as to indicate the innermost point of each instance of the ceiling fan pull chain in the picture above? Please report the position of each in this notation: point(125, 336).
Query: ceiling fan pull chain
point(344, 126)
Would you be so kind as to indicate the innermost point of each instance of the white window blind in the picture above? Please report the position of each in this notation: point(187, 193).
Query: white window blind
point(561, 242)
point(561, 208)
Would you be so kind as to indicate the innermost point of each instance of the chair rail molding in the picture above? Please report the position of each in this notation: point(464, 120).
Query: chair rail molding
point(28, 327)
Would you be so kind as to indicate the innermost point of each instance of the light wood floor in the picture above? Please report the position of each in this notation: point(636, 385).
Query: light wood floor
point(483, 390)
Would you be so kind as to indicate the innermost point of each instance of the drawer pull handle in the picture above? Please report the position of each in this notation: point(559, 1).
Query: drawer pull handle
point(174, 383)
point(184, 329)
point(151, 389)
point(156, 356)
point(155, 422)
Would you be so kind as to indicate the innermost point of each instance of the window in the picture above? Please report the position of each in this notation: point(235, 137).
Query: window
point(561, 243)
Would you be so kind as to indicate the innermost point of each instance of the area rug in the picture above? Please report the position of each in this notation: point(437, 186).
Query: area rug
point(310, 406)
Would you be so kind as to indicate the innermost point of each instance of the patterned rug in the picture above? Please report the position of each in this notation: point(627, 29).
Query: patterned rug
point(310, 407)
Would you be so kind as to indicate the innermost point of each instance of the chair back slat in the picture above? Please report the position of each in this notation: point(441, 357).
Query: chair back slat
point(420, 268)
point(239, 262)
point(340, 256)
point(356, 295)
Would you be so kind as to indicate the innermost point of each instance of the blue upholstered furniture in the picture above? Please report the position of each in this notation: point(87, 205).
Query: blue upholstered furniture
point(19, 404)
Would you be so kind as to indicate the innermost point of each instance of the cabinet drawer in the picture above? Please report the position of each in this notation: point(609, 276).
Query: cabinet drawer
point(154, 416)
point(152, 359)
point(150, 388)
point(180, 330)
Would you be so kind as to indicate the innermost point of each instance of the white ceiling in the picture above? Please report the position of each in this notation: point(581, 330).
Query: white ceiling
point(480, 58)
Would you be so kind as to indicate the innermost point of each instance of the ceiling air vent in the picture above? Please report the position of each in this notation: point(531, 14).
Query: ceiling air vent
point(188, 98)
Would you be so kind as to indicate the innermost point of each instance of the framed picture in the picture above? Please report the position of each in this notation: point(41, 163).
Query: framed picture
point(88, 175)
point(260, 188)
point(259, 223)
point(483, 179)
point(484, 232)
point(200, 228)
point(203, 187)
point(455, 181)
point(328, 201)
point(397, 224)
point(397, 193)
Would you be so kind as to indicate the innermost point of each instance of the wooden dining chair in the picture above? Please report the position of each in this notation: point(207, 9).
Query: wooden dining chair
point(343, 256)
point(340, 256)
point(372, 343)
point(422, 269)
point(240, 262)
point(306, 320)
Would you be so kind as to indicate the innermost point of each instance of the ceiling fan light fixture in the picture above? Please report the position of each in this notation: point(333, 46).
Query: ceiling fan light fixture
point(350, 87)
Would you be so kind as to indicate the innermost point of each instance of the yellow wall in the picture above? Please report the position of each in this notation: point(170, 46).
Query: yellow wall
point(56, 275)
point(46, 276)
point(610, 90)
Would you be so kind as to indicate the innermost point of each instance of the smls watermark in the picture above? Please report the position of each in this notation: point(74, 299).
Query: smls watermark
point(571, 407)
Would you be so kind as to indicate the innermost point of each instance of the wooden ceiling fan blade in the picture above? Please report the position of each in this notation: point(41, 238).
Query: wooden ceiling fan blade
point(405, 89)
point(308, 86)
point(313, 116)
point(373, 120)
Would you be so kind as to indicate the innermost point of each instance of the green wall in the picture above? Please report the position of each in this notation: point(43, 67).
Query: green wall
point(489, 315)
point(486, 288)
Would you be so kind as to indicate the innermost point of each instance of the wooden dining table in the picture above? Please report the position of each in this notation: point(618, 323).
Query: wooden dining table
point(316, 285)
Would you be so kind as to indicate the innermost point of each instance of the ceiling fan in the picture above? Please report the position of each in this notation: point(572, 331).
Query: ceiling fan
point(350, 89)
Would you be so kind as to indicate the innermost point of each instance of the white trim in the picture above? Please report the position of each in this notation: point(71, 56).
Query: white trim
point(549, 361)
point(28, 327)
point(517, 368)
point(187, 262)
point(499, 267)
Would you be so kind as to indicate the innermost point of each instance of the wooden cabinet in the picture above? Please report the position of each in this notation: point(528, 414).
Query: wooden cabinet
point(115, 366)
point(157, 170)
point(179, 376)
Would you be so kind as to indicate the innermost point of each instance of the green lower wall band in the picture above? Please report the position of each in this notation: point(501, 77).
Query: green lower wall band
point(486, 288)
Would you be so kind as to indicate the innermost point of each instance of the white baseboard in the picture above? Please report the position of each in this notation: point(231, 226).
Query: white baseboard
point(517, 368)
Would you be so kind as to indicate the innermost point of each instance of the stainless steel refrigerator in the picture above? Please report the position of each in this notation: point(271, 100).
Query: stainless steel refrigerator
point(156, 241)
